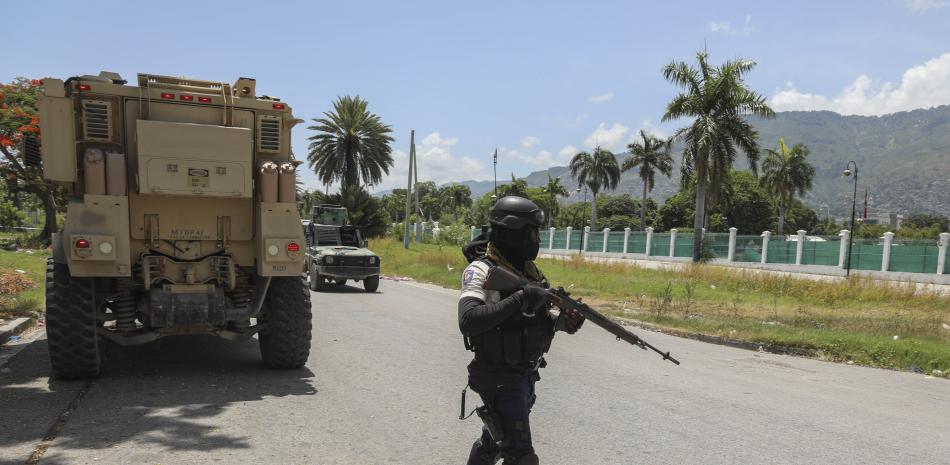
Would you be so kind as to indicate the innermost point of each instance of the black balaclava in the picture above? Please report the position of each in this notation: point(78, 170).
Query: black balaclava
point(517, 245)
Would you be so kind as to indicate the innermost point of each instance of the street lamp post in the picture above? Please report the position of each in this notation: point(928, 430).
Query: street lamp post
point(495, 171)
point(854, 199)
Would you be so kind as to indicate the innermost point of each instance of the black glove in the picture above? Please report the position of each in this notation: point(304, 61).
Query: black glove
point(535, 297)
point(572, 320)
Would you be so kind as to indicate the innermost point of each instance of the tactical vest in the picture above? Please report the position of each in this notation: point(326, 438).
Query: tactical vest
point(520, 341)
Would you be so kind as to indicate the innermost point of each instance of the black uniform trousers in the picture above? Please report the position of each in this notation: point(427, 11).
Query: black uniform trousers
point(513, 403)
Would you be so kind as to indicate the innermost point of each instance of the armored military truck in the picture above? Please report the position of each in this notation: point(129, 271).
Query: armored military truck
point(337, 251)
point(181, 217)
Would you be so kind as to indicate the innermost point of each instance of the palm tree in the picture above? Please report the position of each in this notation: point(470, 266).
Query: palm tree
point(650, 155)
point(785, 172)
point(719, 101)
point(554, 188)
point(596, 171)
point(352, 145)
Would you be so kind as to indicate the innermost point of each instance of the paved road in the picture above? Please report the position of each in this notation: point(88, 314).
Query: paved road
point(383, 383)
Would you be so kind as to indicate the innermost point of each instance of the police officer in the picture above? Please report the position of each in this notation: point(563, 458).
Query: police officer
point(509, 333)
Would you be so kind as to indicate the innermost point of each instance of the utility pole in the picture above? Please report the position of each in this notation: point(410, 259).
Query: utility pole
point(495, 172)
point(415, 171)
point(412, 156)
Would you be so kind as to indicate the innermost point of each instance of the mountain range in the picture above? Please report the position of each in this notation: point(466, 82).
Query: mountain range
point(903, 161)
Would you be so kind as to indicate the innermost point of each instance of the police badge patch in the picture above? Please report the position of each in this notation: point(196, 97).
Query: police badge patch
point(468, 276)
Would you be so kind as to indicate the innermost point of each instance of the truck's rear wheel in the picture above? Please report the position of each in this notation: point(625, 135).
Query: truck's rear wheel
point(371, 283)
point(71, 324)
point(285, 339)
point(317, 282)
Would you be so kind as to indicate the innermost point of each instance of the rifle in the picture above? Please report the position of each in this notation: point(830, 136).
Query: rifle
point(503, 280)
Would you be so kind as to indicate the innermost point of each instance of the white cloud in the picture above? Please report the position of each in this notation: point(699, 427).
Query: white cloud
point(650, 128)
point(567, 152)
point(920, 6)
point(436, 162)
point(725, 27)
point(921, 86)
point(610, 139)
point(529, 142)
point(601, 98)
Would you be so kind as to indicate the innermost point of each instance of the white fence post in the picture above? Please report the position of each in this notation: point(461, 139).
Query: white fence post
point(732, 245)
point(435, 233)
point(585, 238)
point(472, 235)
point(845, 235)
point(626, 238)
point(800, 247)
point(673, 241)
point(886, 257)
point(765, 245)
point(942, 252)
point(649, 241)
point(606, 237)
point(567, 243)
point(551, 238)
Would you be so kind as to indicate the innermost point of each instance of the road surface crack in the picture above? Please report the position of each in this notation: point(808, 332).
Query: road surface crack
point(58, 425)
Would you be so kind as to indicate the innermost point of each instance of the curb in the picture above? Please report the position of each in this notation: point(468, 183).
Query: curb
point(738, 344)
point(15, 328)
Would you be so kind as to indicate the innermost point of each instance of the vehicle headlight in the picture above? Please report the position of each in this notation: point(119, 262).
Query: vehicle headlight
point(372, 260)
point(328, 260)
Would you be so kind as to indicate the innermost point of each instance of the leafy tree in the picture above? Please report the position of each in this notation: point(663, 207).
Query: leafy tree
point(800, 217)
point(597, 171)
point(352, 145)
point(306, 200)
point(650, 155)
point(785, 172)
point(363, 209)
point(19, 121)
point(746, 205)
point(554, 189)
point(718, 101)
point(395, 204)
point(921, 220)
point(456, 197)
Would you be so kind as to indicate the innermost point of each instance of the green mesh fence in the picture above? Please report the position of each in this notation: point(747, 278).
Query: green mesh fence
point(867, 254)
point(615, 241)
point(821, 250)
point(781, 250)
point(684, 245)
point(637, 242)
point(946, 262)
point(576, 239)
point(543, 238)
point(660, 247)
point(748, 249)
point(560, 239)
point(595, 241)
point(718, 244)
point(914, 256)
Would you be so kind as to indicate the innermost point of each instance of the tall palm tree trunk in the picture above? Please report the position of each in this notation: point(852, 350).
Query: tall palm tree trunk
point(699, 217)
point(593, 213)
point(643, 208)
point(781, 215)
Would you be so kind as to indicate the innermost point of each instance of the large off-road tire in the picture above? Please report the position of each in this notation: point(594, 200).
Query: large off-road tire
point(371, 283)
point(312, 278)
point(285, 338)
point(71, 324)
point(339, 282)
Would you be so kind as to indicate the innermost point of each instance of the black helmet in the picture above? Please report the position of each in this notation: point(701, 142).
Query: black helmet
point(515, 212)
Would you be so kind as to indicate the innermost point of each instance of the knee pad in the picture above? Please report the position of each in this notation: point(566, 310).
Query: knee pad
point(528, 459)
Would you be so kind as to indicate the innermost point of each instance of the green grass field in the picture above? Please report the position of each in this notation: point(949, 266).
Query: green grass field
point(29, 285)
point(854, 320)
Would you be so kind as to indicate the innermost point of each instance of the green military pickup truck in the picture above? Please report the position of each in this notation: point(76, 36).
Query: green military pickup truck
point(337, 252)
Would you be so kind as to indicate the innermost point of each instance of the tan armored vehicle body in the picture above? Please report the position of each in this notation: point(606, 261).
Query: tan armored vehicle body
point(181, 219)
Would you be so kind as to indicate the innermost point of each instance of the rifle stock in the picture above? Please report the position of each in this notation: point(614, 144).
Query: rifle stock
point(503, 280)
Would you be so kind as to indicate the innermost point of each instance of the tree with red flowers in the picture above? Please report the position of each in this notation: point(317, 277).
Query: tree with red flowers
point(19, 123)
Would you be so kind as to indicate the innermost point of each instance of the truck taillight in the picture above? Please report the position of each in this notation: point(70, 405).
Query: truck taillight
point(279, 106)
point(168, 96)
point(204, 99)
point(186, 98)
point(83, 87)
point(293, 247)
point(82, 244)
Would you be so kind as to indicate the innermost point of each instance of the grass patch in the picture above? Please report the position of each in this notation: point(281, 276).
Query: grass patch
point(845, 320)
point(21, 294)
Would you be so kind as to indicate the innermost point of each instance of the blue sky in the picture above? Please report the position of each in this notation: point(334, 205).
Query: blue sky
point(539, 80)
